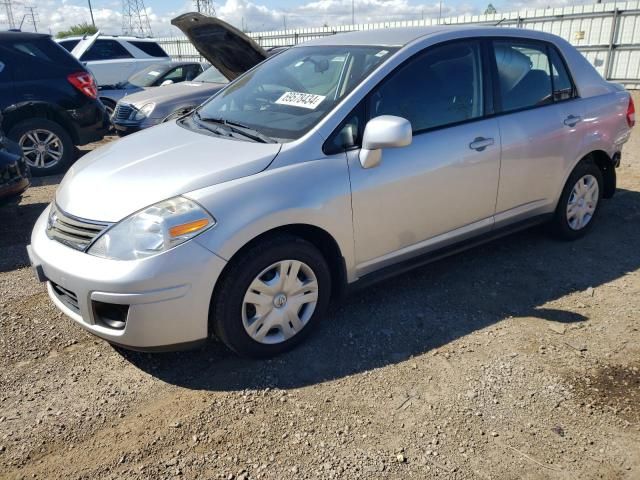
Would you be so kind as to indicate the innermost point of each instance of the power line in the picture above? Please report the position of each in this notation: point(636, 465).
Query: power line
point(205, 7)
point(135, 20)
point(9, 12)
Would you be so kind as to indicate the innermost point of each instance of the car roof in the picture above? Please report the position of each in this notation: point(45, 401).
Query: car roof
point(109, 37)
point(399, 37)
point(8, 35)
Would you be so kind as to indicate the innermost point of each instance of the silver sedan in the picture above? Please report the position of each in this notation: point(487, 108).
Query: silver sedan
point(342, 160)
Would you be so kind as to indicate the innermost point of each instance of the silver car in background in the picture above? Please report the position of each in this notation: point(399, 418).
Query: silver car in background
point(233, 54)
point(341, 160)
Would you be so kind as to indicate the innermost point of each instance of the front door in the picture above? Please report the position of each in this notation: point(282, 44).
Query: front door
point(443, 186)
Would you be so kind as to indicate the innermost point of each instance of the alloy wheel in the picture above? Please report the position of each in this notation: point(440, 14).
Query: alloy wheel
point(280, 301)
point(42, 148)
point(583, 201)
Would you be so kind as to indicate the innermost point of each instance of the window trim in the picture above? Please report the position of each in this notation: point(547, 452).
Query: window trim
point(574, 90)
point(487, 93)
point(105, 40)
point(546, 46)
point(492, 100)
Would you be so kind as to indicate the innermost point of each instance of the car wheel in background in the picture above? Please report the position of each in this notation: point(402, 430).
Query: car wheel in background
point(47, 147)
point(579, 202)
point(271, 296)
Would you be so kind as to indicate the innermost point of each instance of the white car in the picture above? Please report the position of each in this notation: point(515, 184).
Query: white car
point(114, 59)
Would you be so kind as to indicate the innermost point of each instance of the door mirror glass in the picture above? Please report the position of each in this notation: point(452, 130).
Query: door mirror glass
point(385, 131)
point(166, 82)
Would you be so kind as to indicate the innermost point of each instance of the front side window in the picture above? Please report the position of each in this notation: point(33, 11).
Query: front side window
point(524, 76)
point(440, 87)
point(288, 95)
point(105, 50)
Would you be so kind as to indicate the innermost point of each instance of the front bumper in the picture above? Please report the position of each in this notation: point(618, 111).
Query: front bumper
point(168, 294)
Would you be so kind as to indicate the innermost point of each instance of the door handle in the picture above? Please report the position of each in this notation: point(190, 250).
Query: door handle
point(480, 143)
point(572, 120)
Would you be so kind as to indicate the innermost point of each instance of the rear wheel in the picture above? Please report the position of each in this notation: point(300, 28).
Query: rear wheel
point(47, 147)
point(271, 297)
point(579, 201)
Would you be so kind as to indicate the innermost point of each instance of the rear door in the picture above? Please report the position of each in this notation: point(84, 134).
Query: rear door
point(109, 61)
point(539, 127)
point(443, 186)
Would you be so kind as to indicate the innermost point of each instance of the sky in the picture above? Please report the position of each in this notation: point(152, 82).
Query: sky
point(255, 15)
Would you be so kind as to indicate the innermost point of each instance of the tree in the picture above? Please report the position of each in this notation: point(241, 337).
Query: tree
point(75, 30)
point(490, 9)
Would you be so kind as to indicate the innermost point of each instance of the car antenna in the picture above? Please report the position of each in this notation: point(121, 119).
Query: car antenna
point(499, 22)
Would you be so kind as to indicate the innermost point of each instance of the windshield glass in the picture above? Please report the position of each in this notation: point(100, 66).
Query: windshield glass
point(147, 76)
point(289, 94)
point(211, 75)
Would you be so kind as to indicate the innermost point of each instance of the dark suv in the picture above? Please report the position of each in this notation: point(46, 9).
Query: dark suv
point(49, 101)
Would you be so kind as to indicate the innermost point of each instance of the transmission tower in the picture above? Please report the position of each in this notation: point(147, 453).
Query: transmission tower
point(135, 20)
point(9, 13)
point(32, 15)
point(205, 7)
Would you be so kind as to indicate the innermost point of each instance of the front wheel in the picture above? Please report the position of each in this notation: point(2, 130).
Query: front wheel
point(579, 202)
point(271, 297)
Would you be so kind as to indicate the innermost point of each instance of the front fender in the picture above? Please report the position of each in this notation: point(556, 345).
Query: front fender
point(313, 193)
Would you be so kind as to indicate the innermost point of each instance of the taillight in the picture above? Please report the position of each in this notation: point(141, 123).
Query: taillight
point(84, 82)
point(631, 113)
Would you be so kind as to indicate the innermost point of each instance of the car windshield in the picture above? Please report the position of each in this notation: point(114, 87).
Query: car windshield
point(147, 76)
point(288, 95)
point(211, 75)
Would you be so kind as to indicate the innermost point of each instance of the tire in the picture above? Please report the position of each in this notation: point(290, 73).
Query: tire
point(54, 137)
point(585, 198)
point(232, 316)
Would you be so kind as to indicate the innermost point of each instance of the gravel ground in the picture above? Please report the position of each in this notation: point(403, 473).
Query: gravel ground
point(516, 360)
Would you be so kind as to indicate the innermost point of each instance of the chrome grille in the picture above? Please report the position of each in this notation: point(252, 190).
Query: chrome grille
point(72, 231)
point(67, 297)
point(122, 111)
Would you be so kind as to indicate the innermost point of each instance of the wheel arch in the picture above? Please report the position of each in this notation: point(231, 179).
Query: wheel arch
point(607, 166)
point(318, 237)
point(28, 110)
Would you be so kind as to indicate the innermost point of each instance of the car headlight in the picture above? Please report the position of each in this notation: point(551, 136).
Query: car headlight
point(153, 230)
point(144, 111)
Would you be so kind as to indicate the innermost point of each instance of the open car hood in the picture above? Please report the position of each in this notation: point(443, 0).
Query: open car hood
point(224, 46)
point(84, 45)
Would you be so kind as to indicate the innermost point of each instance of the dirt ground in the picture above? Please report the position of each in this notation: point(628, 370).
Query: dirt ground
point(516, 360)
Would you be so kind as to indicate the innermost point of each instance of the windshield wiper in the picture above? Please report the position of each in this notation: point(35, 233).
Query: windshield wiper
point(236, 127)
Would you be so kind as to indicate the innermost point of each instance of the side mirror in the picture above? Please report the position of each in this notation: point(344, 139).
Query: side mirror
point(385, 131)
point(166, 82)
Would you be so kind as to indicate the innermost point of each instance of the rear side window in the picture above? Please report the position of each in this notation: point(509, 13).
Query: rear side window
point(443, 86)
point(524, 76)
point(69, 44)
point(41, 50)
point(106, 50)
point(562, 85)
point(150, 48)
